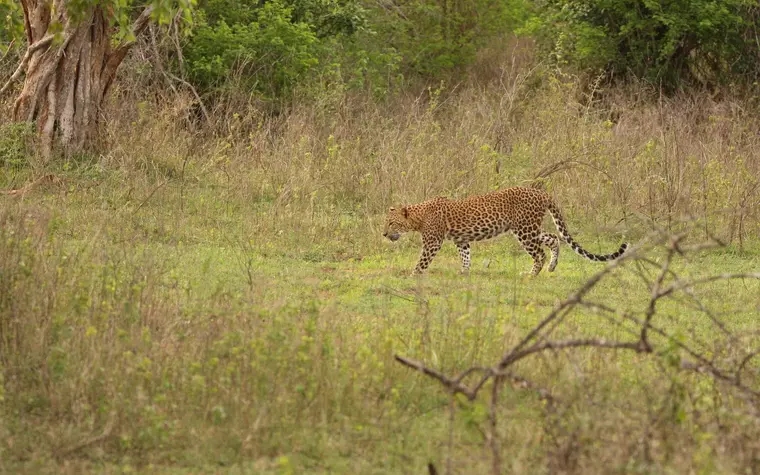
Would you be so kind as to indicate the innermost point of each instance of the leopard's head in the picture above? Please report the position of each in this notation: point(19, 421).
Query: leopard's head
point(396, 223)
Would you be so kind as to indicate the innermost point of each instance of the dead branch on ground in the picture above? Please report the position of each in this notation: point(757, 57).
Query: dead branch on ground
point(663, 280)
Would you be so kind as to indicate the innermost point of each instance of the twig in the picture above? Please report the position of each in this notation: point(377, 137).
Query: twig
point(398, 294)
point(45, 41)
point(107, 430)
point(552, 168)
point(651, 308)
point(171, 77)
point(565, 306)
point(743, 364)
point(716, 373)
point(637, 346)
point(706, 280)
point(663, 284)
point(30, 186)
point(150, 195)
point(452, 385)
point(543, 393)
point(8, 51)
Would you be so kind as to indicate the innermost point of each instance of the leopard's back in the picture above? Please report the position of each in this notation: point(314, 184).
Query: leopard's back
point(486, 216)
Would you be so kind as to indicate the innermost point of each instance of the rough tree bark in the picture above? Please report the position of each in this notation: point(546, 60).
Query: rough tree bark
point(67, 77)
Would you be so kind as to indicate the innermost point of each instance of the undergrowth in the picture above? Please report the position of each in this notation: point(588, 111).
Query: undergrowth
point(190, 301)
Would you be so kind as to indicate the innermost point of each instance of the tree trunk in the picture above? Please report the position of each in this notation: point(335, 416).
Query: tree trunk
point(68, 75)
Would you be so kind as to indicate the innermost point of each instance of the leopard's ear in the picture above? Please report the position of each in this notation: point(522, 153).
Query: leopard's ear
point(392, 209)
point(405, 211)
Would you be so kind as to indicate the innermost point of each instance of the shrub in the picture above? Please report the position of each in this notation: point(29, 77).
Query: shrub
point(272, 52)
point(705, 42)
point(15, 143)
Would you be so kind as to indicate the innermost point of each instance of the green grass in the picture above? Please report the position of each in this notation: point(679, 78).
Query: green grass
point(178, 328)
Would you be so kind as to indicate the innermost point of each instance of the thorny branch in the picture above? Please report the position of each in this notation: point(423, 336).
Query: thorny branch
point(663, 282)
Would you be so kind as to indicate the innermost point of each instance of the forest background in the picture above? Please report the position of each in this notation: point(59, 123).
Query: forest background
point(192, 273)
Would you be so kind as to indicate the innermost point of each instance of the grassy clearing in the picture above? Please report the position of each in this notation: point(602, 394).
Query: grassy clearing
point(189, 340)
point(185, 305)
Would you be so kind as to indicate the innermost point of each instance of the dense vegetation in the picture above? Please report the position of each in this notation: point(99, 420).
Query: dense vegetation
point(208, 290)
point(277, 45)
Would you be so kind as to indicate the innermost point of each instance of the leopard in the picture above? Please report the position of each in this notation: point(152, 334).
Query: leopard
point(519, 210)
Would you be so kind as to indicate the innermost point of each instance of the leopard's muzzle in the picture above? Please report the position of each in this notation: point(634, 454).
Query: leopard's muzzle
point(392, 236)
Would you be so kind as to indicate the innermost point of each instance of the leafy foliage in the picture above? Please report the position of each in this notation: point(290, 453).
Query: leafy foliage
point(271, 51)
point(15, 144)
point(122, 12)
point(277, 47)
point(347, 43)
point(436, 36)
point(699, 41)
point(11, 23)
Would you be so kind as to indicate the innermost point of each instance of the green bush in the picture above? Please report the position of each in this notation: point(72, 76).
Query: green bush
point(319, 46)
point(669, 42)
point(435, 37)
point(15, 143)
point(275, 47)
point(272, 52)
point(11, 24)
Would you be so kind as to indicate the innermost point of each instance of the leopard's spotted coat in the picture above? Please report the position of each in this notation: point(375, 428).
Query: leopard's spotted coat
point(519, 210)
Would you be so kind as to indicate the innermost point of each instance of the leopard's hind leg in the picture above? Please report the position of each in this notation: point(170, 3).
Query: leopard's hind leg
point(552, 242)
point(532, 245)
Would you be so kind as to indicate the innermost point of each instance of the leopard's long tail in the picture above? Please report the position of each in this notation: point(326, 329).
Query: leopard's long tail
point(565, 234)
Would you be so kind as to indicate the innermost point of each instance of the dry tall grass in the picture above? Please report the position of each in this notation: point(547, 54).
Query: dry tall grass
point(209, 294)
point(631, 154)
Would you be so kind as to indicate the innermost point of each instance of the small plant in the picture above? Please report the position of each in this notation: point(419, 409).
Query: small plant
point(16, 144)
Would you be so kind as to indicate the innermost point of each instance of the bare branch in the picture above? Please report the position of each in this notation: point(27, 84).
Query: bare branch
point(655, 292)
point(118, 54)
point(702, 308)
point(171, 77)
point(647, 335)
point(565, 306)
point(493, 441)
point(452, 385)
point(142, 22)
point(8, 51)
point(743, 364)
point(705, 280)
point(716, 373)
point(521, 382)
point(469, 371)
point(637, 346)
point(96, 439)
point(44, 42)
point(49, 178)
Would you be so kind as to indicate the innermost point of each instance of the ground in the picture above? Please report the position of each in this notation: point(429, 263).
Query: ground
point(170, 327)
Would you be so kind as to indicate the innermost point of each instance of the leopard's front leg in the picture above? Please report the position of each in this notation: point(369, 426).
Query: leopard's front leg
point(464, 256)
point(431, 244)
